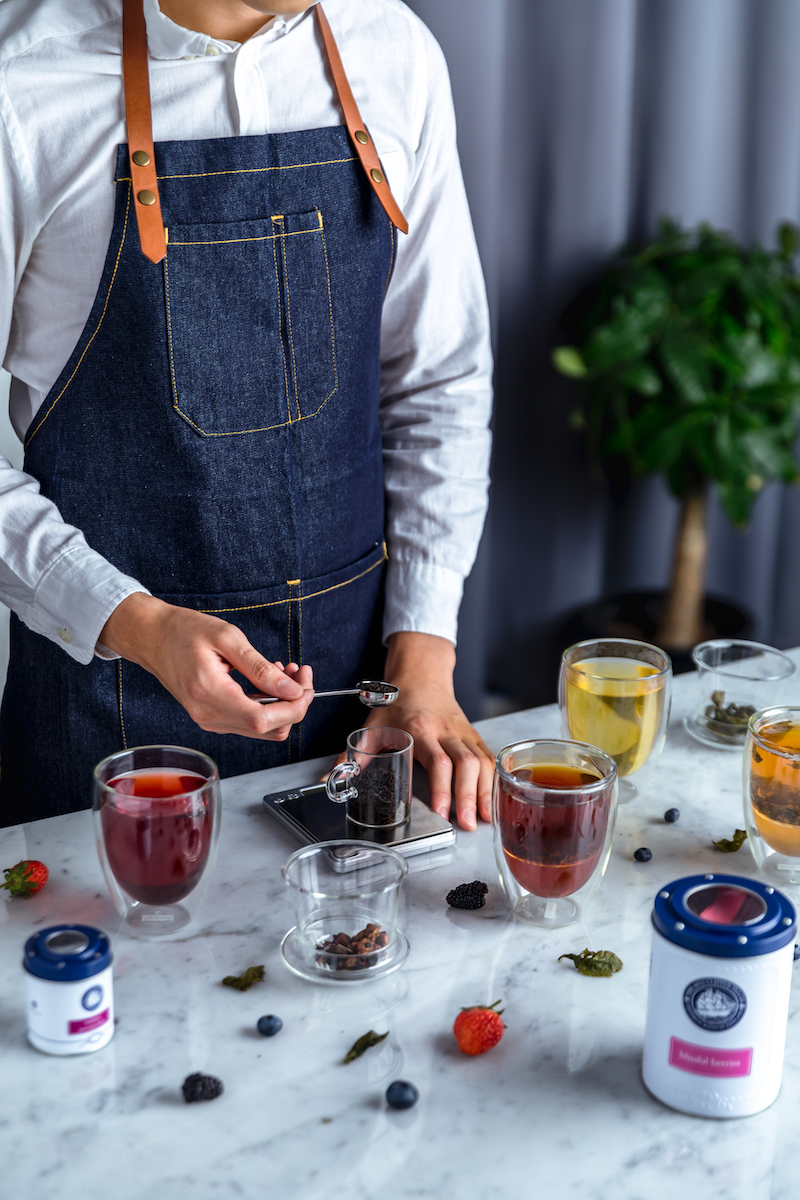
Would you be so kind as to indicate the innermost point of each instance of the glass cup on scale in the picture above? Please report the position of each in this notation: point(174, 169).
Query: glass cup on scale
point(156, 816)
point(554, 806)
point(616, 693)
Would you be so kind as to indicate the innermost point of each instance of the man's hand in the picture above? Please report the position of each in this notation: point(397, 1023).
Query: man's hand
point(455, 756)
point(192, 654)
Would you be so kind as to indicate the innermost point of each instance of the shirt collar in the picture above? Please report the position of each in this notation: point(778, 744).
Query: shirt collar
point(166, 40)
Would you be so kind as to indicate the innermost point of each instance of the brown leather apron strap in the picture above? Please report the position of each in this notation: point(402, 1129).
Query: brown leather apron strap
point(364, 146)
point(136, 81)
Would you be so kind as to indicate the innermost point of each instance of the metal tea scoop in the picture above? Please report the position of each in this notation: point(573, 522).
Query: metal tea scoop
point(374, 693)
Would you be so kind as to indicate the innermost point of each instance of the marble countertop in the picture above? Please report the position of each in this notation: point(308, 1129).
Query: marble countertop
point(557, 1109)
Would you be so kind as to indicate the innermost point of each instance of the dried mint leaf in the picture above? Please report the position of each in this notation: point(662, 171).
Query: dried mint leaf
point(731, 845)
point(243, 982)
point(363, 1044)
point(595, 962)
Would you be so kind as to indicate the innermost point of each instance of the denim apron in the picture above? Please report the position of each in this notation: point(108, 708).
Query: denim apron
point(215, 434)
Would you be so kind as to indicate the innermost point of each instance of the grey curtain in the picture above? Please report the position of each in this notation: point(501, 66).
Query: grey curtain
point(580, 122)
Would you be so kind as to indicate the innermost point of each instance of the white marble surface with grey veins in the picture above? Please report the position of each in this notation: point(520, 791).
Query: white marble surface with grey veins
point(558, 1109)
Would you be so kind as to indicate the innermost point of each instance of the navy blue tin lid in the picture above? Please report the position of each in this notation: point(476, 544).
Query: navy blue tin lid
point(726, 916)
point(67, 952)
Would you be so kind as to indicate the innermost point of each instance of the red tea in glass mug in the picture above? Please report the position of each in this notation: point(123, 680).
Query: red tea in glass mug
point(552, 848)
point(157, 852)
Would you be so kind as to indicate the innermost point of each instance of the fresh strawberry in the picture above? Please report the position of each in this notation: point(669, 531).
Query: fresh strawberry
point(478, 1029)
point(25, 878)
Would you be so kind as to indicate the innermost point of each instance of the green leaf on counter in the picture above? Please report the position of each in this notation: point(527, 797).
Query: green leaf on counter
point(731, 845)
point(595, 962)
point(243, 982)
point(364, 1043)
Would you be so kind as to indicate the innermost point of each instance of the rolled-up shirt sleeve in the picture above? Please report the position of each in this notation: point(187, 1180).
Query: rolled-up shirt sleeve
point(49, 576)
point(436, 367)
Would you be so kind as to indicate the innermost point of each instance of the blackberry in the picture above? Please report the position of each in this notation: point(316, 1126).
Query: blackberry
point(201, 1087)
point(672, 815)
point(468, 895)
point(643, 854)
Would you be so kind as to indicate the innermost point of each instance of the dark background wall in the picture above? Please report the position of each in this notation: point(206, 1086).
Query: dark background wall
point(580, 122)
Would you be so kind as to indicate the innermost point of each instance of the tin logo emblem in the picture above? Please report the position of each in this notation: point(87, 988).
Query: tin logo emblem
point(714, 1004)
point(93, 998)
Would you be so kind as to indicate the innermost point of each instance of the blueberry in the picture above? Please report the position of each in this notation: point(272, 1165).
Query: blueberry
point(796, 953)
point(269, 1026)
point(672, 815)
point(643, 854)
point(401, 1094)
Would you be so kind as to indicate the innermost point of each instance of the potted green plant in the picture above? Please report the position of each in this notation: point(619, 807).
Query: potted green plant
point(688, 353)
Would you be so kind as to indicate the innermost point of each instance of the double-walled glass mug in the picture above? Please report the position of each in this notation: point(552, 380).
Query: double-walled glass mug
point(554, 806)
point(772, 792)
point(734, 680)
point(375, 780)
point(156, 816)
point(347, 896)
point(615, 694)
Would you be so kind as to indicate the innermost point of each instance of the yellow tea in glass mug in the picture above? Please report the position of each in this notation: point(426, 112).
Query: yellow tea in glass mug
point(615, 695)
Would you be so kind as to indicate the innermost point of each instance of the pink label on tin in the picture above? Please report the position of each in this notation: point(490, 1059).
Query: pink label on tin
point(701, 1060)
point(86, 1024)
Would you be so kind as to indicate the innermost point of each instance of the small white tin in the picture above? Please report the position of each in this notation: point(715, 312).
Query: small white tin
point(70, 989)
point(718, 999)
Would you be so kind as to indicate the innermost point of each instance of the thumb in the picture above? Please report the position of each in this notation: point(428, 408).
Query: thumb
point(266, 676)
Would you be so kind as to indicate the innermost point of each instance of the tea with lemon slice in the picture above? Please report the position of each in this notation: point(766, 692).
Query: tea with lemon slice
point(617, 704)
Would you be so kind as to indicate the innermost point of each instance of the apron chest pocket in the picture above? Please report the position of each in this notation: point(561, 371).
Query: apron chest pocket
point(250, 331)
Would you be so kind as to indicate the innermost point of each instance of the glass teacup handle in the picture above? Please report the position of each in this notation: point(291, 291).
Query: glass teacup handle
point(338, 785)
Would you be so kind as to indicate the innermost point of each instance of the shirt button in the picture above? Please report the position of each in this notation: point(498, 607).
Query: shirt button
point(65, 635)
point(212, 50)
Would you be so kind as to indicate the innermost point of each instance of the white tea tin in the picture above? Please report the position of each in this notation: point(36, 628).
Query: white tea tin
point(70, 989)
point(718, 1000)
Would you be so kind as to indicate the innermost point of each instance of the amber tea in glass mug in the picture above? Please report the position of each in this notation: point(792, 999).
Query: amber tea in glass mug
point(772, 792)
point(553, 813)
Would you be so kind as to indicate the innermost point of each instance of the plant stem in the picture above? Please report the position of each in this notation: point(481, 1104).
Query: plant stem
point(681, 624)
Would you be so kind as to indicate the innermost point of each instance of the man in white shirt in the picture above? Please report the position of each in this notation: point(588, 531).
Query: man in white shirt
point(226, 69)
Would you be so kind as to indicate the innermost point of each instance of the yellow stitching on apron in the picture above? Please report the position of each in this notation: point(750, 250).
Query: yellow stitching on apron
point(391, 260)
point(289, 629)
point(310, 596)
point(330, 312)
point(280, 331)
point(300, 664)
point(119, 702)
point(94, 335)
point(328, 162)
point(267, 237)
point(169, 342)
point(278, 424)
point(289, 319)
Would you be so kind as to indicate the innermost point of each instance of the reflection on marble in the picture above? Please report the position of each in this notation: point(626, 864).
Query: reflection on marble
point(557, 1109)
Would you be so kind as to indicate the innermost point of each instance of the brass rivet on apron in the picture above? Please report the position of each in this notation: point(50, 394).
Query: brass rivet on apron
point(141, 158)
point(376, 175)
point(146, 197)
point(362, 137)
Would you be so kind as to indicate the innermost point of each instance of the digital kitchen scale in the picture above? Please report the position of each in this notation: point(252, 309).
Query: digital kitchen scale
point(312, 817)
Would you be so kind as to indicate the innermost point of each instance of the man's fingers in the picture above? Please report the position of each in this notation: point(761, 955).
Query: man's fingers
point(485, 783)
point(265, 675)
point(467, 763)
point(439, 765)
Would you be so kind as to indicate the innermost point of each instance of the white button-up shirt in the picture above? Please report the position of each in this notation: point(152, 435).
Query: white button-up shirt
point(61, 119)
